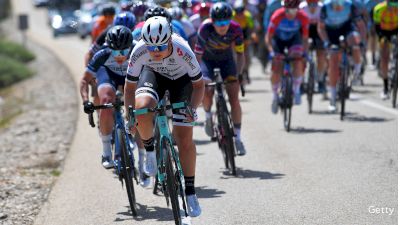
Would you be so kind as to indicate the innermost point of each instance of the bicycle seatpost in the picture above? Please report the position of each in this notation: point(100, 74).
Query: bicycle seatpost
point(217, 74)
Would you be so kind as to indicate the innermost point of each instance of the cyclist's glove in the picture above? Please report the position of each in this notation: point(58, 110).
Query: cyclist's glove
point(191, 112)
point(88, 107)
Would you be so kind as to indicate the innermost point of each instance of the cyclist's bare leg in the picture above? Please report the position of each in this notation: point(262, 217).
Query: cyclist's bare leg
point(372, 40)
point(354, 41)
point(187, 149)
point(321, 63)
point(232, 90)
point(145, 122)
point(208, 97)
point(333, 74)
point(384, 63)
point(277, 70)
point(106, 95)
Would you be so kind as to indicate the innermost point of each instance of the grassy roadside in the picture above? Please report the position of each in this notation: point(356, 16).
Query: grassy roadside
point(13, 69)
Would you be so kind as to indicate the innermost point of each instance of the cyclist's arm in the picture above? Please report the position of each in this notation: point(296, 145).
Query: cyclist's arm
point(321, 25)
point(88, 57)
point(87, 79)
point(305, 23)
point(197, 93)
point(129, 95)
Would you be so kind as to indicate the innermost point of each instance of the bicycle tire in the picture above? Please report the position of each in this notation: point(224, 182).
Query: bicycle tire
point(342, 92)
point(127, 170)
point(394, 87)
point(220, 132)
point(288, 102)
point(172, 185)
point(310, 86)
point(227, 136)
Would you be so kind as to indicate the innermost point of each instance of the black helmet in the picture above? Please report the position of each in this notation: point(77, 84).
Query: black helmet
point(107, 9)
point(157, 11)
point(221, 11)
point(119, 37)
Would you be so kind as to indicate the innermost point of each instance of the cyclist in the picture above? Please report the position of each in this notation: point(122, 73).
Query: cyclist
point(385, 19)
point(126, 19)
point(103, 21)
point(216, 36)
point(313, 10)
point(201, 13)
point(164, 61)
point(243, 17)
point(370, 5)
point(338, 17)
point(288, 28)
point(107, 71)
point(190, 32)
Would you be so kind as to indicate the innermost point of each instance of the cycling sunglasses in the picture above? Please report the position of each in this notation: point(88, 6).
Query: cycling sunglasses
point(313, 4)
point(221, 23)
point(116, 53)
point(157, 48)
point(291, 11)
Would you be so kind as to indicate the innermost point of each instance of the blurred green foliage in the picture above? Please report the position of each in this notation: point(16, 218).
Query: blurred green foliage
point(12, 71)
point(15, 51)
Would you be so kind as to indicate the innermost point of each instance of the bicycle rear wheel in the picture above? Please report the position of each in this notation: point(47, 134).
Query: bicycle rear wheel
point(172, 182)
point(127, 171)
point(287, 103)
point(342, 92)
point(226, 126)
point(310, 86)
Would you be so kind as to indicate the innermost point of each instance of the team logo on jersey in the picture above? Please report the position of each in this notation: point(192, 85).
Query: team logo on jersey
point(180, 52)
point(171, 60)
point(147, 84)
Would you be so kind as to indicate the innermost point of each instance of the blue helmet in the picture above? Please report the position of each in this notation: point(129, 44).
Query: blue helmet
point(126, 19)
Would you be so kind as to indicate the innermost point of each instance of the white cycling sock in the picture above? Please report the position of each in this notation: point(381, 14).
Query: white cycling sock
point(357, 69)
point(297, 83)
point(106, 139)
point(275, 88)
point(237, 133)
point(208, 115)
point(332, 90)
point(142, 155)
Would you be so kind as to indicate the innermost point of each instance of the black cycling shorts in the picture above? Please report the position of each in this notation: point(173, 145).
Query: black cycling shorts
point(387, 34)
point(335, 33)
point(154, 85)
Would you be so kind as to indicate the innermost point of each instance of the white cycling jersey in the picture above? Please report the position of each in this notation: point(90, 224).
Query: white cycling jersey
point(313, 17)
point(182, 61)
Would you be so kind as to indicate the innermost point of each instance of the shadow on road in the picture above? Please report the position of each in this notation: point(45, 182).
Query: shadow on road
point(146, 213)
point(360, 118)
point(262, 175)
point(204, 192)
point(202, 142)
point(303, 130)
point(256, 91)
point(322, 112)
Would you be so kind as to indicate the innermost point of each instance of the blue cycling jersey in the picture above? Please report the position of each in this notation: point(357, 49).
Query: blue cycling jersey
point(333, 18)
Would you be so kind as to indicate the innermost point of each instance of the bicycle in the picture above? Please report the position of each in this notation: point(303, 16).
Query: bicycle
point(311, 79)
point(286, 90)
point(224, 127)
point(345, 69)
point(169, 170)
point(124, 162)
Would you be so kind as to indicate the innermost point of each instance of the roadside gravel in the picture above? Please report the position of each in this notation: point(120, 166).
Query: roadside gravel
point(35, 144)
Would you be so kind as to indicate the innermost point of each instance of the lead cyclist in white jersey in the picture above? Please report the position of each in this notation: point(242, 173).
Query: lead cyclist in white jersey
point(164, 61)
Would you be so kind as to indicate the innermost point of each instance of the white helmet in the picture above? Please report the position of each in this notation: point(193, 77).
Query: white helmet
point(156, 31)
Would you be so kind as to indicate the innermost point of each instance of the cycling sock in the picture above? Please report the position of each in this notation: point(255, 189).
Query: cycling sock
point(149, 144)
point(357, 69)
point(106, 139)
point(332, 90)
point(237, 131)
point(189, 186)
point(208, 114)
point(142, 153)
point(275, 88)
point(385, 85)
point(297, 84)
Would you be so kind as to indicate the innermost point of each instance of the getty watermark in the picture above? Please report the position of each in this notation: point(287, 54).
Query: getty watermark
point(380, 210)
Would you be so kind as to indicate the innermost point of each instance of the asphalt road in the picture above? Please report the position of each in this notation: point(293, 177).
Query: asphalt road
point(323, 172)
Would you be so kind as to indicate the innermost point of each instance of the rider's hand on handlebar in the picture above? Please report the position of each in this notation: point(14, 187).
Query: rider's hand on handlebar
point(191, 114)
point(326, 44)
point(88, 107)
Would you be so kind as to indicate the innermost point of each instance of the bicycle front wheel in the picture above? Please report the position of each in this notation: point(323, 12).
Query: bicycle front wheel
point(310, 86)
point(288, 102)
point(127, 171)
point(227, 135)
point(173, 181)
point(342, 92)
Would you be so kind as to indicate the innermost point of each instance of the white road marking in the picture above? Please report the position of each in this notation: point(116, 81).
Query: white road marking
point(378, 106)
